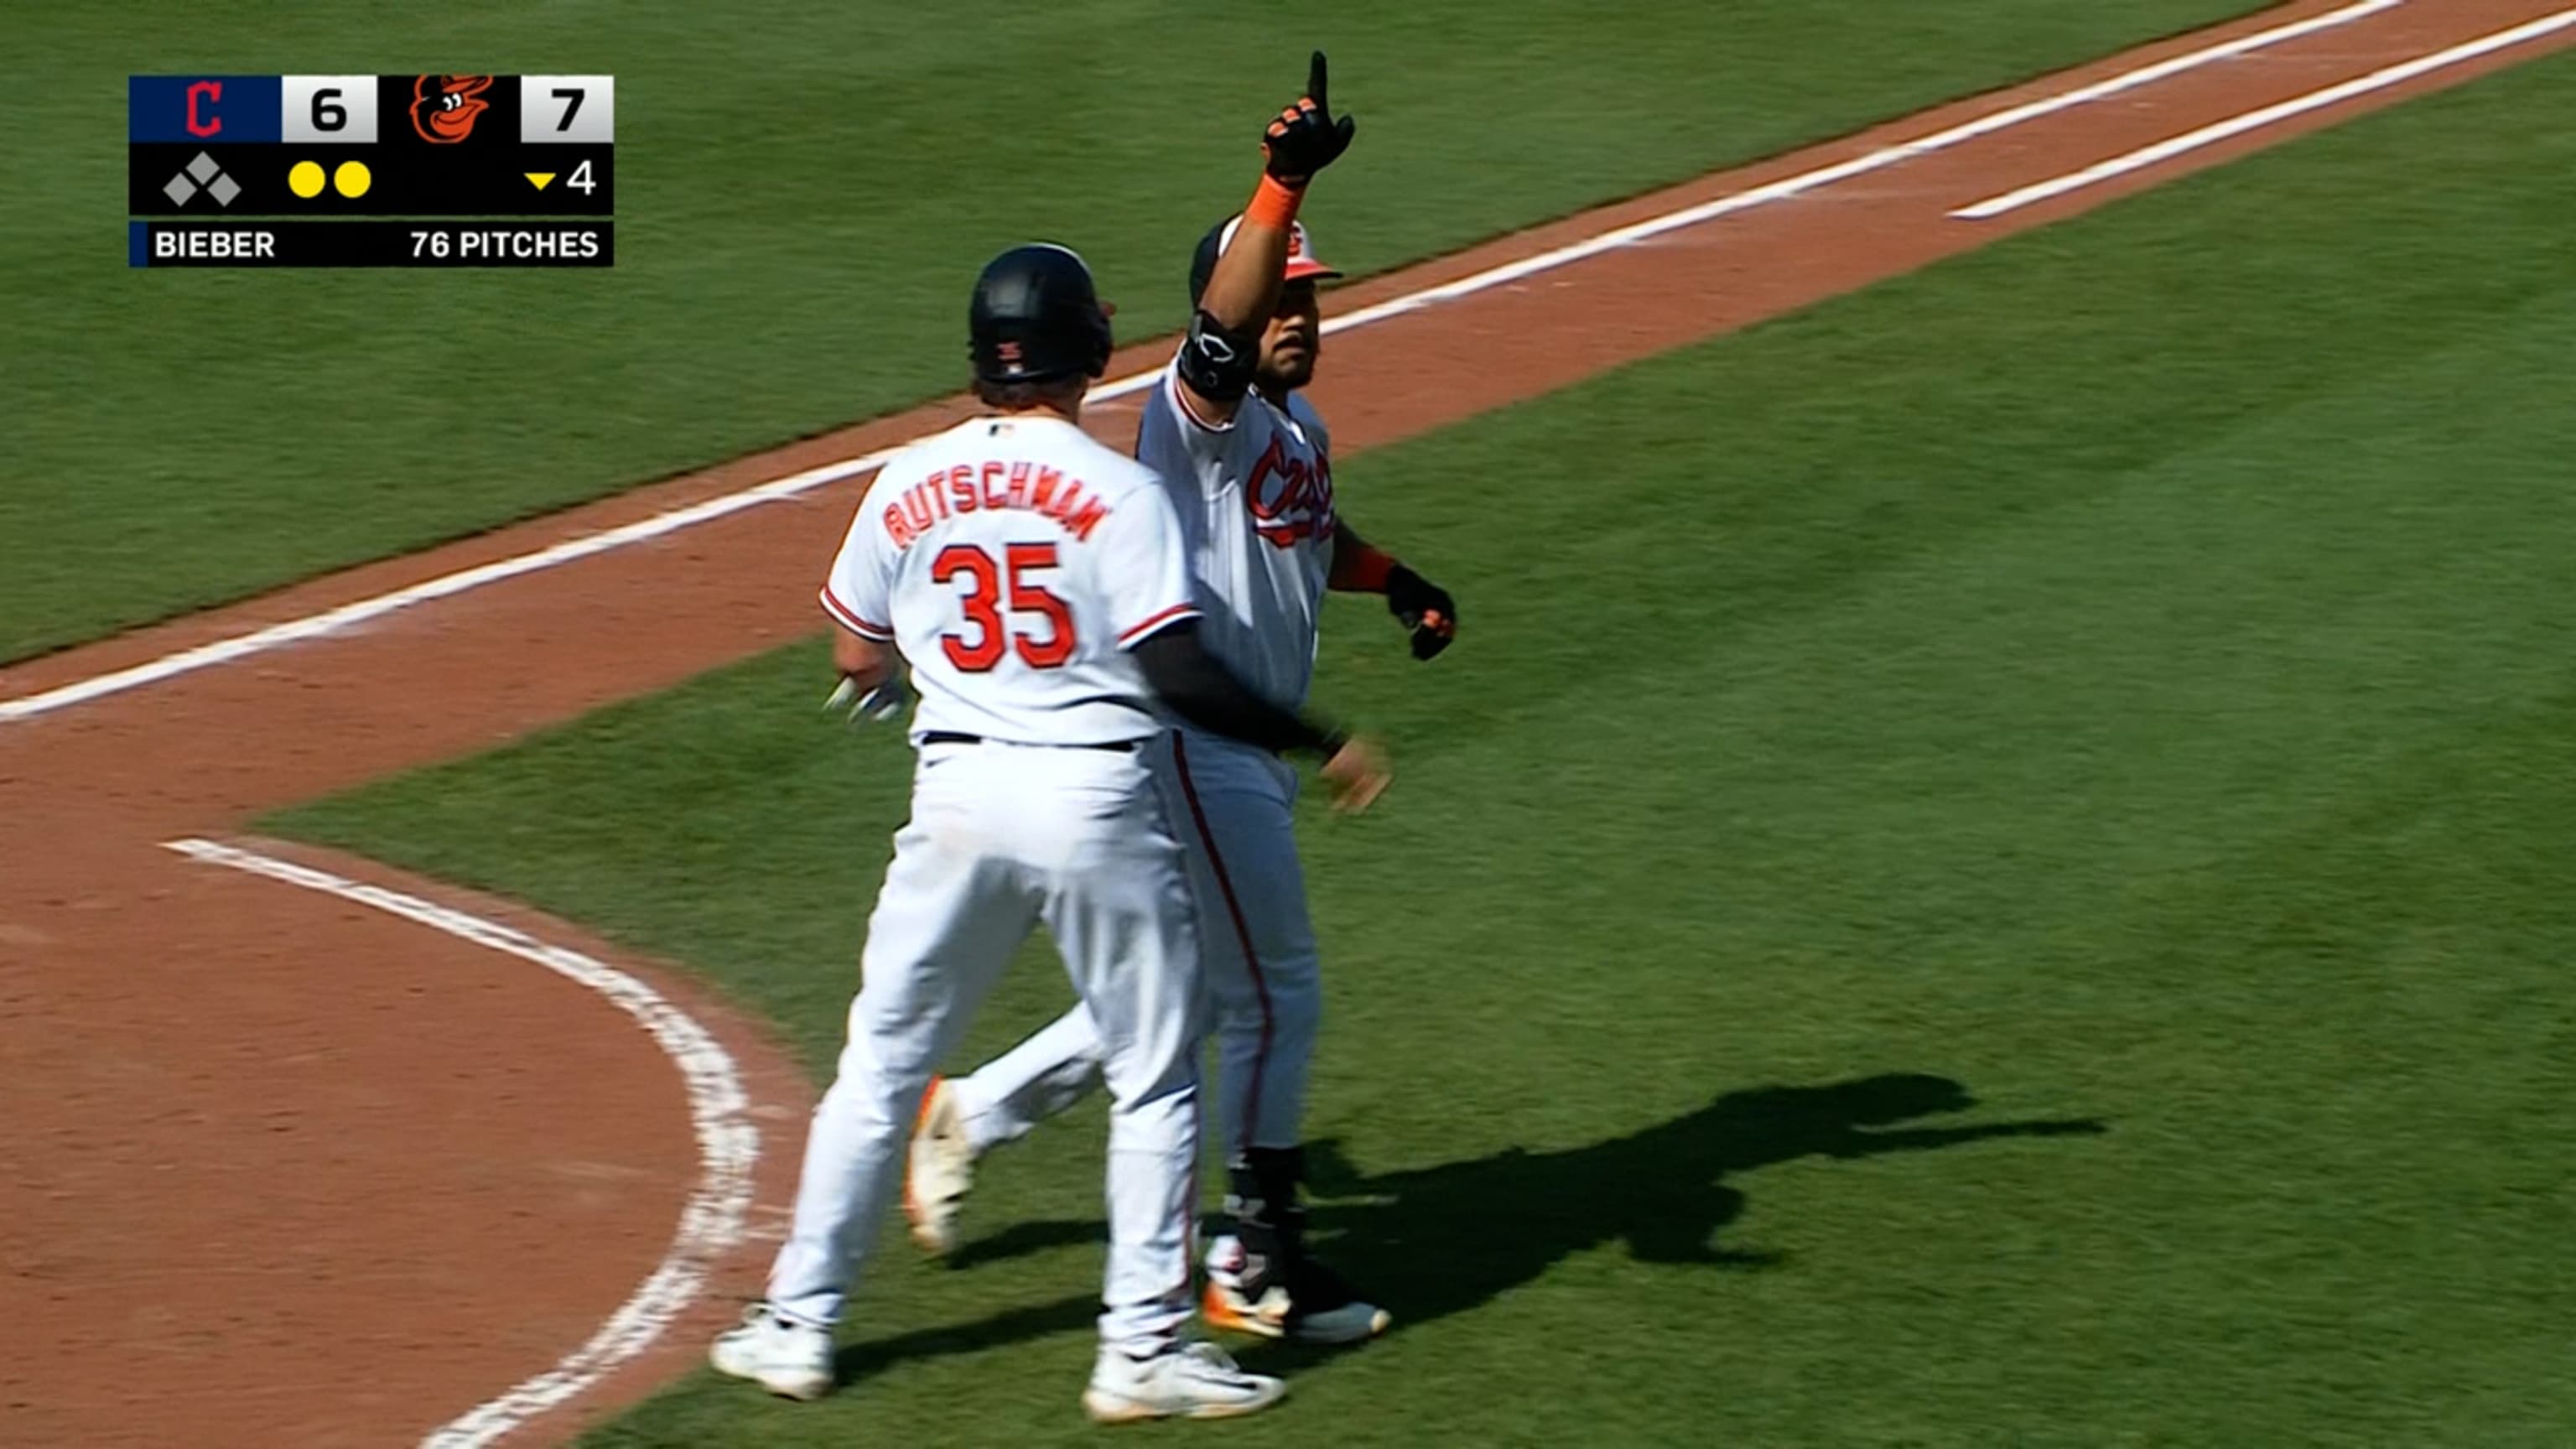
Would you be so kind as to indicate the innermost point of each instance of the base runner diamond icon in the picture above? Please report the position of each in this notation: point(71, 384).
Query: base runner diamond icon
point(209, 175)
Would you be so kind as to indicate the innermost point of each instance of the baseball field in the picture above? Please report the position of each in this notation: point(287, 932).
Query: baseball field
point(806, 192)
point(1985, 869)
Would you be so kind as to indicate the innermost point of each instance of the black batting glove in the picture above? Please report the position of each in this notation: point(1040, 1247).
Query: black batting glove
point(1424, 607)
point(1305, 138)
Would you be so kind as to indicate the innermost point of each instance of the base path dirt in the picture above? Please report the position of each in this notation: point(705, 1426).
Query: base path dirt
point(284, 1169)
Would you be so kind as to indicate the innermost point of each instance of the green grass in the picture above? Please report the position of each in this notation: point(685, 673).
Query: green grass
point(806, 196)
point(1986, 872)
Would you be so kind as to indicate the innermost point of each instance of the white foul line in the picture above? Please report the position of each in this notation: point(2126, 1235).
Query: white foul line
point(1878, 160)
point(728, 1144)
point(2210, 135)
point(314, 626)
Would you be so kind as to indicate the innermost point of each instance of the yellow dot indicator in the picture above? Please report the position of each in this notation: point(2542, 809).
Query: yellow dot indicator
point(352, 178)
point(304, 178)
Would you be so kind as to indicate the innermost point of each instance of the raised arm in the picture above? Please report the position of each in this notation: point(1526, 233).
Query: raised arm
point(1224, 341)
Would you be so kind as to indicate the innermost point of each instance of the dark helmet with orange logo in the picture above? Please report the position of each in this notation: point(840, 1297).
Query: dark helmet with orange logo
point(1036, 317)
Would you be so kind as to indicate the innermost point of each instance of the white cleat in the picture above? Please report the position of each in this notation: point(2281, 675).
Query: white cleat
point(790, 1359)
point(1186, 1381)
point(939, 1171)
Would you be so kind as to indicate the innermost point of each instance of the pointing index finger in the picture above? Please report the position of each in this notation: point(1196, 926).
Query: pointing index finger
point(1315, 83)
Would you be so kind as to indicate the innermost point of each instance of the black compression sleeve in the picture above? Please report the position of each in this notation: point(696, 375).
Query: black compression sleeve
point(1192, 684)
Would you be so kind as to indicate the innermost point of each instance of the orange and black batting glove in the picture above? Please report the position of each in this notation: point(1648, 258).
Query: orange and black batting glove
point(1305, 138)
point(1424, 607)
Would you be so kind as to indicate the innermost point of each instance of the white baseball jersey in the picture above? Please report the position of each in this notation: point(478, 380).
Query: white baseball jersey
point(1014, 561)
point(1255, 499)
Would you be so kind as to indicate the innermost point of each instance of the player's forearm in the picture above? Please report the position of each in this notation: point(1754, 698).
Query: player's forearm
point(864, 662)
point(1244, 289)
point(1193, 685)
point(1358, 566)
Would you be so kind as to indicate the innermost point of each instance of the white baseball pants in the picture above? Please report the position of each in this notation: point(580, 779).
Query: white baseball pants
point(1231, 805)
point(1004, 837)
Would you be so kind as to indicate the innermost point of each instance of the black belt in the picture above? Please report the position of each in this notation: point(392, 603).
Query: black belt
point(951, 737)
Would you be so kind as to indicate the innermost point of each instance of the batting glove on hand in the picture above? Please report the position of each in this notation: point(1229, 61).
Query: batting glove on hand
point(880, 704)
point(1424, 607)
point(1306, 139)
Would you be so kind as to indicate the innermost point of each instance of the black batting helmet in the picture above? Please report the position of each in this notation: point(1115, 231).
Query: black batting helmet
point(1036, 318)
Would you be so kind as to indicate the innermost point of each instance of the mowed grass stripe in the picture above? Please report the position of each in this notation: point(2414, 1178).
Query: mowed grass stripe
point(1984, 873)
point(802, 204)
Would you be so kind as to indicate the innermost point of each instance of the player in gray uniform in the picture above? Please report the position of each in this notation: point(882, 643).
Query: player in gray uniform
point(1250, 470)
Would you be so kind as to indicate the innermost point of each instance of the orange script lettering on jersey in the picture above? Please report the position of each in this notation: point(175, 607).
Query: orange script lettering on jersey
point(1290, 497)
point(984, 487)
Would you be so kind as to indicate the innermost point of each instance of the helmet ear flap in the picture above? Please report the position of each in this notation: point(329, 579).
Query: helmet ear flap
point(1102, 346)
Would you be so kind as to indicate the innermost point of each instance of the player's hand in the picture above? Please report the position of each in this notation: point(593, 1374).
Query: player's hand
point(1424, 607)
point(882, 703)
point(1357, 774)
point(1305, 138)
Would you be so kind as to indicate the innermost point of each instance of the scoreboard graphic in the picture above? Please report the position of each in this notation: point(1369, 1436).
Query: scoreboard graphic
point(304, 170)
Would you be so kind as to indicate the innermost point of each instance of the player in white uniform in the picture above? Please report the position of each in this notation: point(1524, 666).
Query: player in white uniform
point(1039, 587)
point(1250, 469)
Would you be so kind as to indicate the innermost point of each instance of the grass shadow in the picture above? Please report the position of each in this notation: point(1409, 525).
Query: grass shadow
point(1435, 1241)
point(1019, 1240)
point(1017, 1325)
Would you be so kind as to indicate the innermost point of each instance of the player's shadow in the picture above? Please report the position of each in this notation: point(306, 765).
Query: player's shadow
point(1430, 1242)
point(1019, 1240)
point(1434, 1241)
point(856, 1361)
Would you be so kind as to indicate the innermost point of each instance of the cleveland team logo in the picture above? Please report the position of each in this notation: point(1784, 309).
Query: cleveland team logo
point(443, 107)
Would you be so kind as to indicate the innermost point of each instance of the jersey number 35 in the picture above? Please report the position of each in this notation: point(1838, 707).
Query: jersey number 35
point(982, 602)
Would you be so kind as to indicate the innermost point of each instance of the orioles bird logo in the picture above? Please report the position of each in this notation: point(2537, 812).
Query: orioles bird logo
point(443, 107)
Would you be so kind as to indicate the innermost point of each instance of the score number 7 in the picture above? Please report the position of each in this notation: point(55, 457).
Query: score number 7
point(572, 96)
point(982, 604)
